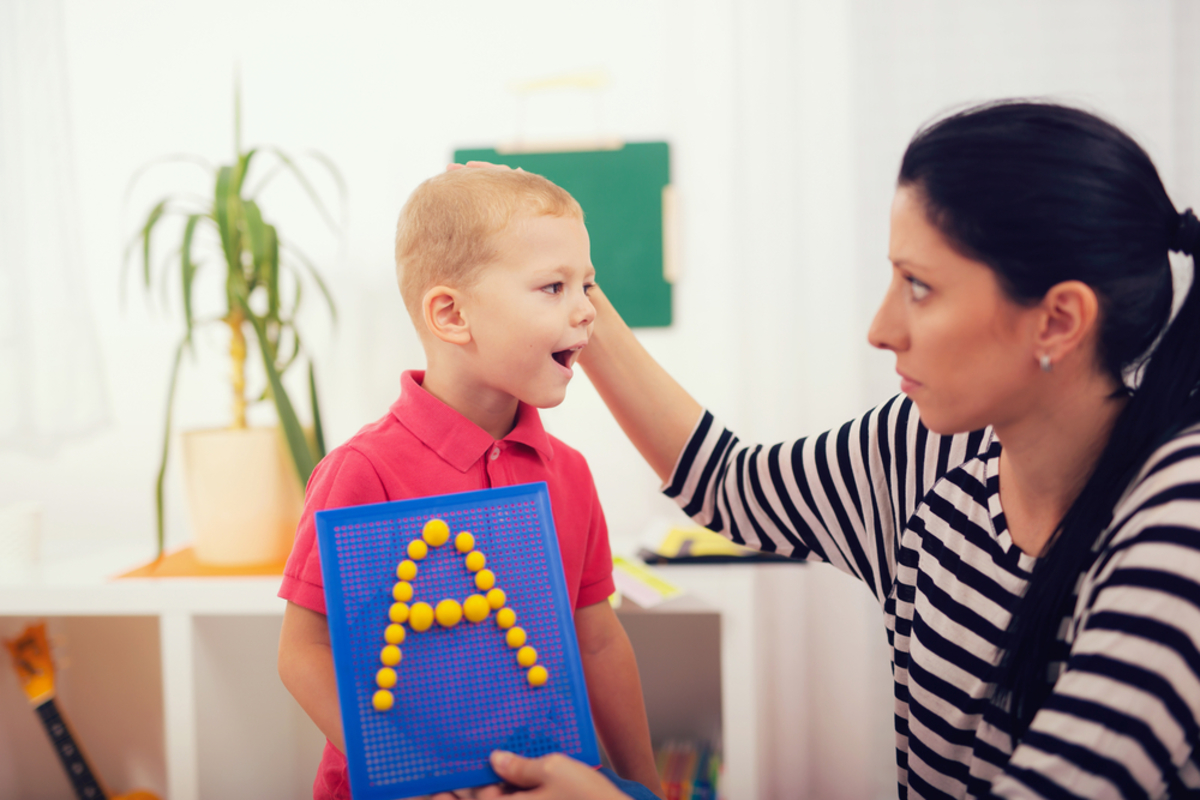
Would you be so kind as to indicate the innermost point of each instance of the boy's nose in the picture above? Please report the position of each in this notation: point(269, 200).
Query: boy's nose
point(585, 312)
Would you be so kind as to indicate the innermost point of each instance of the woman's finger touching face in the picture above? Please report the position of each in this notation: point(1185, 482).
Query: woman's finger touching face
point(964, 349)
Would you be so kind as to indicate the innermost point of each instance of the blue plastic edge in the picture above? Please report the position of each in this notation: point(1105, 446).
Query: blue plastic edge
point(327, 519)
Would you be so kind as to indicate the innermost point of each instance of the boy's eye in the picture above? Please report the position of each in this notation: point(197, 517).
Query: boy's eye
point(919, 290)
point(587, 287)
point(553, 288)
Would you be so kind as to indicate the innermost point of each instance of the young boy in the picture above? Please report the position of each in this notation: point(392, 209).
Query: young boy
point(494, 267)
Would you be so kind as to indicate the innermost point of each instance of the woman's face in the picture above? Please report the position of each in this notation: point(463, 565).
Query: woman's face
point(965, 352)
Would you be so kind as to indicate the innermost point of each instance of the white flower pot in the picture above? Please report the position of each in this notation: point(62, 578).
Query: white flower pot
point(243, 494)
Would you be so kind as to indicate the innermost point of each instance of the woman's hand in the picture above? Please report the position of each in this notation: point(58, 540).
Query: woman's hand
point(552, 777)
point(474, 164)
point(656, 413)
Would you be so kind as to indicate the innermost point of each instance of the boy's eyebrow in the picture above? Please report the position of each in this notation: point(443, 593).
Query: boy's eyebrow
point(567, 269)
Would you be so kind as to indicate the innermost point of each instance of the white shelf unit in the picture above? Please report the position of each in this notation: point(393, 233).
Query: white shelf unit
point(171, 685)
point(191, 663)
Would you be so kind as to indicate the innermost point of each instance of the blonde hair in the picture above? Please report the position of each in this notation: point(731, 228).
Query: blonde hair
point(447, 228)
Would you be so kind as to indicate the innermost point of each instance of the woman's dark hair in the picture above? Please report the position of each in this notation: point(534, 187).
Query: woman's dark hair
point(1043, 193)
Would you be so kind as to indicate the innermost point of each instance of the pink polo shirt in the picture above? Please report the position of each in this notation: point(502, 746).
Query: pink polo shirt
point(423, 447)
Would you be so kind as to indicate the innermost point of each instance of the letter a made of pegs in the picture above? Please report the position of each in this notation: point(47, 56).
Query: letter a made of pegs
point(420, 616)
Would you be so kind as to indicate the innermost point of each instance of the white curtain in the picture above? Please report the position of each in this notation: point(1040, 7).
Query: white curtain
point(51, 379)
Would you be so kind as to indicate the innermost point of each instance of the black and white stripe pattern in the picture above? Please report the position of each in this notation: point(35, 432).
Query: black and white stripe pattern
point(917, 517)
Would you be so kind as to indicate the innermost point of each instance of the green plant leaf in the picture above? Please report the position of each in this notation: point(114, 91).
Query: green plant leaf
point(187, 269)
point(226, 212)
point(174, 158)
point(152, 219)
point(243, 167)
point(256, 231)
point(334, 173)
point(302, 179)
point(272, 266)
point(311, 269)
point(297, 346)
point(264, 246)
point(159, 500)
point(302, 456)
point(318, 428)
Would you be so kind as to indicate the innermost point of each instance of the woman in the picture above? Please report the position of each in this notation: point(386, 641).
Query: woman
point(1029, 523)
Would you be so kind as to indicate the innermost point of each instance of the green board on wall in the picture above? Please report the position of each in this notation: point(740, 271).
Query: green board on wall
point(621, 192)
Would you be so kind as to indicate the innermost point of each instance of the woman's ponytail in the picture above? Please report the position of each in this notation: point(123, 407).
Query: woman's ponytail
point(1187, 235)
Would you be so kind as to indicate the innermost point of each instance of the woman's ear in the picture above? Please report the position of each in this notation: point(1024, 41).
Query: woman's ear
point(444, 315)
point(1071, 317)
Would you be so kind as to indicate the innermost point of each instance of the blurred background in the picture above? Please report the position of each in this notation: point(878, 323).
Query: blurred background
point(786, 119)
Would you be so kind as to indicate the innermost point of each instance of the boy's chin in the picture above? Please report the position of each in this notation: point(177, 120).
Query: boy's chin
point(548, 400)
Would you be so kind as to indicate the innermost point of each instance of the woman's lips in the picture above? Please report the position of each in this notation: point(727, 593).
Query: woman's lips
point(907, 384)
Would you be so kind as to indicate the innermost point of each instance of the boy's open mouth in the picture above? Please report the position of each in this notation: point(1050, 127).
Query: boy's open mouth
point(567, 357)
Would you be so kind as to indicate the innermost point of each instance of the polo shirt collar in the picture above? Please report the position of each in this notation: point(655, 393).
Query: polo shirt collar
point(460, 442)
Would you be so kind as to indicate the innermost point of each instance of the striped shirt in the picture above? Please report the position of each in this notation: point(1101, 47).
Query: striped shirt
point(916, 516)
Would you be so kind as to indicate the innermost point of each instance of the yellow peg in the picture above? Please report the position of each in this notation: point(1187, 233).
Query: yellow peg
point(436, 532)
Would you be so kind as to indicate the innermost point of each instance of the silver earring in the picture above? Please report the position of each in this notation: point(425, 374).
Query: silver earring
point(1045, 363)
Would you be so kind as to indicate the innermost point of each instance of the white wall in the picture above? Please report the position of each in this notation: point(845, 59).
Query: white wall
point(787, 120)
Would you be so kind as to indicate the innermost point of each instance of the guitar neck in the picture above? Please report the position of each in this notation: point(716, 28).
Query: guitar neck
point(80, 773)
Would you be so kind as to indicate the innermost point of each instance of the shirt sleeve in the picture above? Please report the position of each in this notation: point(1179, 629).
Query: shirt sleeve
point(1123, 720)
point(343, 478)
point(596, 581)
point(840, 497)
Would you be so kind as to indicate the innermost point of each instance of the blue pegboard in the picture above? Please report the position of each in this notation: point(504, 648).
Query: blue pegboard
point(460, 692)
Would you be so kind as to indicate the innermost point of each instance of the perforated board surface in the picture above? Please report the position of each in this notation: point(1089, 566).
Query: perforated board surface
point(460, 692)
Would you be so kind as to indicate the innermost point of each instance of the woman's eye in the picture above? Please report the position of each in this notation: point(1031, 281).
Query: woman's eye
point(553, 288)
point(919, 290)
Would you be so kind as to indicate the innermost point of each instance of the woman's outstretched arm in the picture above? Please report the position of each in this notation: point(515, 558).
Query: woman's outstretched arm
point(655, 412)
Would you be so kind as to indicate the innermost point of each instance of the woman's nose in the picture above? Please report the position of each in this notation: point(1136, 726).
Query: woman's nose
point(887, 328)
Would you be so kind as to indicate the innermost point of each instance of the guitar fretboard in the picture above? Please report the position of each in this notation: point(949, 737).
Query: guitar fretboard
point(85, 783)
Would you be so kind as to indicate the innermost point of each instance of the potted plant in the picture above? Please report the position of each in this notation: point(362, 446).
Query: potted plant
point(244, 484)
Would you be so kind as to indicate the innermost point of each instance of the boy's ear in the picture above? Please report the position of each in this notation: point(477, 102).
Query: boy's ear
point(442, 308)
